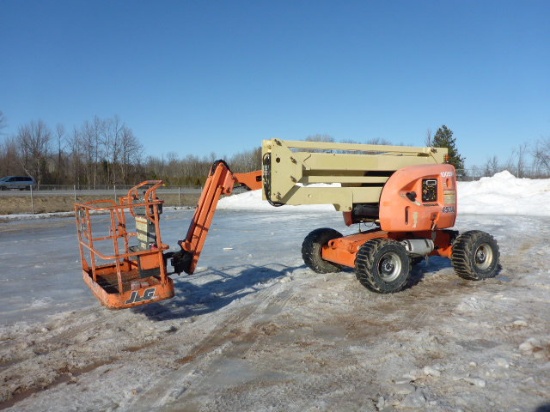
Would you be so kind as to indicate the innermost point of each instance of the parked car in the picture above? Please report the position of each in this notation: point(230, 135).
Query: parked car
point(17, 182)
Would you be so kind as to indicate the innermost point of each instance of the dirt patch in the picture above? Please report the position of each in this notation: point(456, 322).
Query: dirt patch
point(64, 203)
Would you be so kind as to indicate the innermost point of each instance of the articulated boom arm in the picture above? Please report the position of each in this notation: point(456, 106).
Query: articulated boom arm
point(221, 181)
point(361, 170)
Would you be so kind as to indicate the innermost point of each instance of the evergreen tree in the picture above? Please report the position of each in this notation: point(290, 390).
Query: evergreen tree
point(444, 138)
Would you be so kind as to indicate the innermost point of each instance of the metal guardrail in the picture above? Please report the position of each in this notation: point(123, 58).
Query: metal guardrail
point(117, 191)
point(111, 188)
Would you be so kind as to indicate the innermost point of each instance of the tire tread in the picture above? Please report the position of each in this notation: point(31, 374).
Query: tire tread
point(463, 255)
point(365, 262)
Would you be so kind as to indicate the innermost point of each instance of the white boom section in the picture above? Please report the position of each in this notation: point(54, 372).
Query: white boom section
point(357, 172)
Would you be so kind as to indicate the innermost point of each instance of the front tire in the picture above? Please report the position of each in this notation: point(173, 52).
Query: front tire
point(312, 248)
point(382, 265)
point(475, 255)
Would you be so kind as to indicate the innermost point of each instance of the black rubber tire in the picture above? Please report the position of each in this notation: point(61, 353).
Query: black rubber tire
point(382, 265)
point(416, 260)
point(475, 255)
point(311, 250)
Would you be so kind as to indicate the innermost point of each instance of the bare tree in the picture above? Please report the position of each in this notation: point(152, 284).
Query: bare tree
point(379, 141)
point(34, 142)
point(247, 161)
point(92, 149)
point(60, 141)
point(518, 160)
point(172, 170)
point(320, 138)
point(429, 138)
point(9, 157)
point(323, 138)
point(541, 156)
point(131, 152)
point(111, 139)
point(352, 141)
point(155, 167)
point(189, 167)
point(3, 122)
point(76, 156)
point(491, 166)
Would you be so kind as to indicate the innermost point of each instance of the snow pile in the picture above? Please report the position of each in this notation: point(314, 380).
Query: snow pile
point(501, 194)
point(252, 200)
point(505, 194)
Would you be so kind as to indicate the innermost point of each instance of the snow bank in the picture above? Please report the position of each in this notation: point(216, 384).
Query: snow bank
point(505, 194)
point(252, 200)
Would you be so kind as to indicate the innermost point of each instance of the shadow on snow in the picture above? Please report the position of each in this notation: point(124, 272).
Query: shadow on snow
point(194, 300)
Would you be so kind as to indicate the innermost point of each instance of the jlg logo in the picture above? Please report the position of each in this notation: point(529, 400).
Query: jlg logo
point(148, 294)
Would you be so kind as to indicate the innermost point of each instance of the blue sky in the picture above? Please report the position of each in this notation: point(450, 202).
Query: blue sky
point(196, 77)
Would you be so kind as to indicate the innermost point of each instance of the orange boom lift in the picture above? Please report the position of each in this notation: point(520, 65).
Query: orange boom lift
point(407, 194)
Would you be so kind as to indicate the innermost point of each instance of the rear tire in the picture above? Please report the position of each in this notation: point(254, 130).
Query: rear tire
point(382, 265)
point(312, 247)
point(475, 255)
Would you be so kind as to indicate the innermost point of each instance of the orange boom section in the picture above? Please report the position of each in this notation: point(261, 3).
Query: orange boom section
point(221, 181)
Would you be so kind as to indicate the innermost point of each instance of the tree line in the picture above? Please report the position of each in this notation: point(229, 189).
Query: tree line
point(530, 160)
point(106, 152)
point(101, 152)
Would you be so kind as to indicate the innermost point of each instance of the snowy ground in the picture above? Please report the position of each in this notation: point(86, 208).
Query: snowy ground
point(255, 330)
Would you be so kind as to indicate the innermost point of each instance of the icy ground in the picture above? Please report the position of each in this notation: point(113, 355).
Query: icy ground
point(255, 330)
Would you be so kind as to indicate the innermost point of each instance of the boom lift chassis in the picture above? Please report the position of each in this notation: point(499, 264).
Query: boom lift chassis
point(407, 194)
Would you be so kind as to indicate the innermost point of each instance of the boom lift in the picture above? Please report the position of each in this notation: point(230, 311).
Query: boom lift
point(408, 194)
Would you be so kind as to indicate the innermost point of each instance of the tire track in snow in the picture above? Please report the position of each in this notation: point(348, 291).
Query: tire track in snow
point(233, 338)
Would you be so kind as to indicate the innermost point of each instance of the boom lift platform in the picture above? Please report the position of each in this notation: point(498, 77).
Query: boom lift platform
point(122, 267)
point(407, 194)
point(127, 268)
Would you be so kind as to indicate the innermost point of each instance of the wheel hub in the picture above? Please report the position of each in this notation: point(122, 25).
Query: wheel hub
point(483, 256)
point(390, 267)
